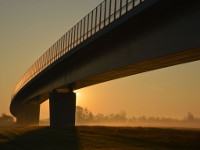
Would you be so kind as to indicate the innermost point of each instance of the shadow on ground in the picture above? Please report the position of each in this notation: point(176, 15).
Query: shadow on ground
point(44, 138)
point(98, 138)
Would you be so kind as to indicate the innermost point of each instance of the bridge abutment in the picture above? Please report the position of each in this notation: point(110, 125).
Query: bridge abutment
point(62, 109)
point(29, 115)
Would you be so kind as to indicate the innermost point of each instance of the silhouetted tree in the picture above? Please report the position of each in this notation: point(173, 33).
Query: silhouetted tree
point(83, 115)
point(99, 118)
point(142, 118)
point(132, 119)
point(190, 117)
point(120, 117)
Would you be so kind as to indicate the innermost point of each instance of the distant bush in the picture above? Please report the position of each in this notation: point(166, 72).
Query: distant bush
point(189, 117)
point(6, 120)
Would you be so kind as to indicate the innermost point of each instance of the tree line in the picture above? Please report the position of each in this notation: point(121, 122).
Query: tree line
point(84, 116)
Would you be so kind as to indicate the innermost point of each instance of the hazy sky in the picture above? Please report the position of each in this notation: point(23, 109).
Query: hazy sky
point(29, 27)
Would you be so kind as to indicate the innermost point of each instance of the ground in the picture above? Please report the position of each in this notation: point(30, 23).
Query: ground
point(98, 138)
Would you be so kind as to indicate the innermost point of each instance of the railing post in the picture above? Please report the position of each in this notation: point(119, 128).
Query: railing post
point(105, 13)
point(65, 43)
point(56, 50)
point(115, 9)
point(80, 31)
point(52, 54)
point(56, 47)
point(100, 16)
point(68, 44)
point(88, 17)
point(43, 61)
point(71, 36)
point(91, 22)
point(110, 10)
point(60, 47)
point(74, 38)
point(96, 20)
point(126, 6)
point(84, 29)
point(48, 57)
point(120, 13)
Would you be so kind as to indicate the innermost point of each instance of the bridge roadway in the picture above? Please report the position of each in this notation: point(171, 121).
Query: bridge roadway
point(153, 35)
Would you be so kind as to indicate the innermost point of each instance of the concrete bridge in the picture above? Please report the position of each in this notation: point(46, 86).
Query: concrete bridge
point(117, 39)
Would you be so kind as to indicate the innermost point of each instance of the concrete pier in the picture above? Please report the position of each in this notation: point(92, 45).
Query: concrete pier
point(62, 109)
point(29, 115)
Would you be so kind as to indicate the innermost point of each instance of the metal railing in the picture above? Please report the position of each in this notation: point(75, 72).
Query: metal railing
point(104, 14)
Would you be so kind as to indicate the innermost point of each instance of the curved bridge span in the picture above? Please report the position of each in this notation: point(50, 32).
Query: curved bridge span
point(117, 39)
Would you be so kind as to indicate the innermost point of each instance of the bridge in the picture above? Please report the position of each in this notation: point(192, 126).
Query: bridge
point(116, 39)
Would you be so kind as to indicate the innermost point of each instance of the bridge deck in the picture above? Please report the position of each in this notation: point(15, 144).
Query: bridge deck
point(153, 35)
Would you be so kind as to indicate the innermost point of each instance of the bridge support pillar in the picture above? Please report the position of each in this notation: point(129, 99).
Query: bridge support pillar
point(62, 109)
point(29, 115)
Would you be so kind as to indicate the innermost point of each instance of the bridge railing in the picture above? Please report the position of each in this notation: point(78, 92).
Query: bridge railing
point(100, 17)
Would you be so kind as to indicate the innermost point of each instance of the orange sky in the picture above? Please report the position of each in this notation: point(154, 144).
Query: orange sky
point(29, 28)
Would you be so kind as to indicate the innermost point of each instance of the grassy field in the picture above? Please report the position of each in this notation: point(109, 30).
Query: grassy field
point(98, 138)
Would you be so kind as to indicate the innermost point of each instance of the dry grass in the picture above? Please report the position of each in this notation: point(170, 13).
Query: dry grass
point(95, 138)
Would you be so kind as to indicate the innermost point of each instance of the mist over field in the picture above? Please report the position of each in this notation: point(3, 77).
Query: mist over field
point(85, 117)
point(105, 132)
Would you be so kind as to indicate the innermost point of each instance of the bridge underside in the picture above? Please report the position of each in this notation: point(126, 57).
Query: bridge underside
point(165, 34)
